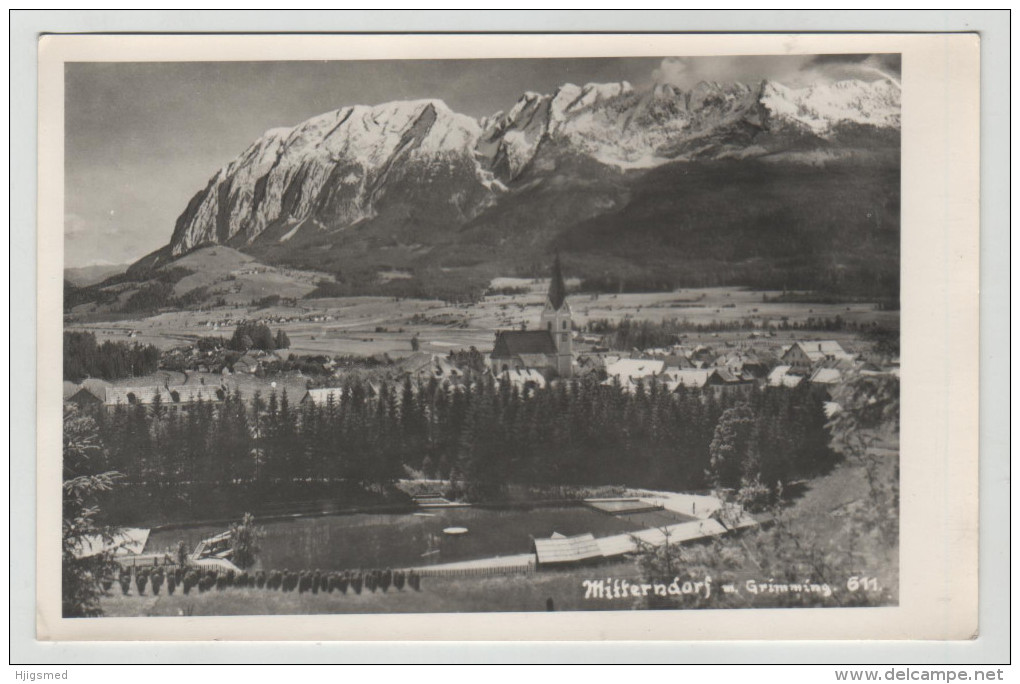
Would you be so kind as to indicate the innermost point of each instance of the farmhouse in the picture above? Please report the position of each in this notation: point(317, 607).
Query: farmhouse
point(747, 365)
point(423, 367)
point(321, 396)
point(722, 380)
point(85, 398)
point(803, 356)
point(246, 364)
point(718, 379)
point(548, 350)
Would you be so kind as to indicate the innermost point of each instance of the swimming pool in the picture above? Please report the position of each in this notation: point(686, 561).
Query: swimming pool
point(379, 540)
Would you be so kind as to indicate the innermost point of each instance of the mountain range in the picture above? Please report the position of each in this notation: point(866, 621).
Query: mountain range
point(761, 185)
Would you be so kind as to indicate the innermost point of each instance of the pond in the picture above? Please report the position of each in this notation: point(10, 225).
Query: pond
point(377, 540)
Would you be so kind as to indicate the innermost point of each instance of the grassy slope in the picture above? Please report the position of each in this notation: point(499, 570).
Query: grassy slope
point(822, 509)
point(214, 271)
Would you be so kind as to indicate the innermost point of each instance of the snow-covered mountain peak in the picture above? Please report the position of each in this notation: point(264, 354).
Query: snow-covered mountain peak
point(340, 167)
point(822, 106)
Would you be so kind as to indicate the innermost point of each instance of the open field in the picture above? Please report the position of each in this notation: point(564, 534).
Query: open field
point(375, 325)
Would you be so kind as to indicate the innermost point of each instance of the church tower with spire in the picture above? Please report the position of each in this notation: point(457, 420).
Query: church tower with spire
point(557, 320)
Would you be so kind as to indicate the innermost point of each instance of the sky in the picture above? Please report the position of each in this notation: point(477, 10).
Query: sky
point(142, 138)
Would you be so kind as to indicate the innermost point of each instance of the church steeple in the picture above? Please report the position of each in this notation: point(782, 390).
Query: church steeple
point(557, 289)
point(557, 320)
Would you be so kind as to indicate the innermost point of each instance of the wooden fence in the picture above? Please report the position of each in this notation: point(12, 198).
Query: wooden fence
point(146, 561)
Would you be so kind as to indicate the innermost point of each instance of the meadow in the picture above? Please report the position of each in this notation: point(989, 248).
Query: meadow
point(365, 326)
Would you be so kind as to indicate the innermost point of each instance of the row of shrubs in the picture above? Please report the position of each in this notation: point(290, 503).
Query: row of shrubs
point(304, 581)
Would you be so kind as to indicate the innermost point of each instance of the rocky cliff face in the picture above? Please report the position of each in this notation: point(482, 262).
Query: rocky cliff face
point(432, 166)
point(333, 169)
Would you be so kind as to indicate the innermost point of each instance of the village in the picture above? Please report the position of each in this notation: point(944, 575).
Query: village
point(553, 351)
point(518, 361)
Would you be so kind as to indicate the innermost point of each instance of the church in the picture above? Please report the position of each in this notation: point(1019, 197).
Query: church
point(548, 349)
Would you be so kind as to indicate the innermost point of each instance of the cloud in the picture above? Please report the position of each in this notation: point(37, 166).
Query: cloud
point(791, 70)
point(686, 72)
point(887, 61)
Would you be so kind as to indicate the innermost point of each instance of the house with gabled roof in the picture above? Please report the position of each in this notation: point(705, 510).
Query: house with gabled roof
point(246, 364)
point(321, 396)
point(805, 355)
point(86, 397)
point(424, 367)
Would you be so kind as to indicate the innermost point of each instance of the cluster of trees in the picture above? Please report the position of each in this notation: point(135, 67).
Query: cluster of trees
point(257, 335)
point(470, 359)
point(306, 365)
point(430, 282)
point(85, 358)
point(273, 300)
point(767, 226)
point(75, 296)
point(155, 290)
point(800, 549)
point(84, 484)
point(814, 297)
point(158, 292)
point(628, 333)
point(507, 291)
point(483, 437)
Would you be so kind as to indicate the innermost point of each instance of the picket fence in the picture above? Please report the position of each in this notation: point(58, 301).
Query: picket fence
point(146, 562)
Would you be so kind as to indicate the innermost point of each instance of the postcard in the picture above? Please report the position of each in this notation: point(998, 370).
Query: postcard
point(508, 337)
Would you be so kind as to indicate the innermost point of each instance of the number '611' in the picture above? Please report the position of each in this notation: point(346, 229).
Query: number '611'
point(856, 583)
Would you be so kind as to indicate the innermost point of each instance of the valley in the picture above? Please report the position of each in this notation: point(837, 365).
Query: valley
point(365, 326)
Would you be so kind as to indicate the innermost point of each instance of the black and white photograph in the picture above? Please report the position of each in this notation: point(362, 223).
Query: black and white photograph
point(506, 335)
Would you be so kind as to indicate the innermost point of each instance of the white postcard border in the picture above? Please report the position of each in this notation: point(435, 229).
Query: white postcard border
point(939, 438)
